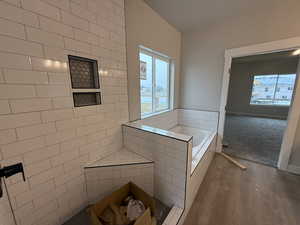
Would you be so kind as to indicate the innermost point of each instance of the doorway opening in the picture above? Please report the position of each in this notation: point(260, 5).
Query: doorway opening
point(260, 93)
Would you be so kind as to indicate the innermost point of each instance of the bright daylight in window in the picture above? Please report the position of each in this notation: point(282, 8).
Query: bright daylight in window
point(276, 90)
point(154, 83)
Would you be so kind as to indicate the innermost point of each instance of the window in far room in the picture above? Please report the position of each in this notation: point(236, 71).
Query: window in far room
point(154, 83)
point(273, 90)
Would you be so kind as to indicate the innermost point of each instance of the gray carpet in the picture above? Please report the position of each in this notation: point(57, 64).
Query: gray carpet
point(254, 138)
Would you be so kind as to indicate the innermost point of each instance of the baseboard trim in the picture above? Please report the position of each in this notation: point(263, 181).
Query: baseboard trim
point(256, 115)
point(294, 169)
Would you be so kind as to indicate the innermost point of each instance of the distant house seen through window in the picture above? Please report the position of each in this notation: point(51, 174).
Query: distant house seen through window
point(154, 83)
point(275, 89)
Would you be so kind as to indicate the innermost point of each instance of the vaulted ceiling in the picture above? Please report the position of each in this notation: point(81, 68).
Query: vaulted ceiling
point(187, 15)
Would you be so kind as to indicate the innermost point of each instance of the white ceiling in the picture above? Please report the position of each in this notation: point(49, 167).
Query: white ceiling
point(187, 15)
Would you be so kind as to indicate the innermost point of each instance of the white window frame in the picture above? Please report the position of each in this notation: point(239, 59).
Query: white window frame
point(273, 98)
point(156, 55)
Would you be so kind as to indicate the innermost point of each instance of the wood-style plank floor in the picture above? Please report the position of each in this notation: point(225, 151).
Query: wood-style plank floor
point(260, 195)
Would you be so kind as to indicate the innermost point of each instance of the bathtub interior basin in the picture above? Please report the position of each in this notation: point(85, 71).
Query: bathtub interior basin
point(200, 138)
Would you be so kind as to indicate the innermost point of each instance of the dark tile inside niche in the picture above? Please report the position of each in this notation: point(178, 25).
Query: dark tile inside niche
point(84, 73)
point(85, 99)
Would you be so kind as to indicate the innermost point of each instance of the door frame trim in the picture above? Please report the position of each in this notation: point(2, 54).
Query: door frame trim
point(294, 111)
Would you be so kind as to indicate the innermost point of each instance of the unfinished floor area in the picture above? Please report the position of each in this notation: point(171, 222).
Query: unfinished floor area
point(254, 138)
point(260, 195)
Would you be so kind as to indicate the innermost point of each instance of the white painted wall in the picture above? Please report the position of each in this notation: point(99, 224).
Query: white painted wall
point(241, 81)
point(145, 27)
point(203, 51)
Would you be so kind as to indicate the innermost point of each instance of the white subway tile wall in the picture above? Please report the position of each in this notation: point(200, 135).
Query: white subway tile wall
point(163, 121)
point(170, 167)
point(199, 119)
point(39, 125)
point(6, 216)
point(192, 118)
point(101, 181)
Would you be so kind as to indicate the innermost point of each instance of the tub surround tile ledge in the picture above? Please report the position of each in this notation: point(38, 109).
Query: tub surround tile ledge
point(167, 133)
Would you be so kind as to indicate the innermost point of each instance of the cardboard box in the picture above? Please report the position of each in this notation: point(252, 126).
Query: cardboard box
point(117, 197)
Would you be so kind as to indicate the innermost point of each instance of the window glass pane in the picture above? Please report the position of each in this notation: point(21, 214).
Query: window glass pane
point(273, 89)
point(146, 83)
point(161, 85)
point(263, 90)
point(284, 89)
point(154, 83)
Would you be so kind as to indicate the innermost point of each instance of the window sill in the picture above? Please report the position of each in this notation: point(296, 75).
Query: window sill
point(155, 113)
point(279, 106)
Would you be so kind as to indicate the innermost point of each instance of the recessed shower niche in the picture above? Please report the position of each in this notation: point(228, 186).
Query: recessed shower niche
point(85, 81)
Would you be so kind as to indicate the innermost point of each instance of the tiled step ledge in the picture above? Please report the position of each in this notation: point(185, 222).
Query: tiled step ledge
point(119, 158)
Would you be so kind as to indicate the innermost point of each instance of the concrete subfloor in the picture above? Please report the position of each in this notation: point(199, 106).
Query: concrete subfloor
point(261, 195)
point(82, 218)
point(254, 138)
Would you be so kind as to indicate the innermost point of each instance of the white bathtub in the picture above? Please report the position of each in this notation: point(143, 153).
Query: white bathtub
point(200, 138)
